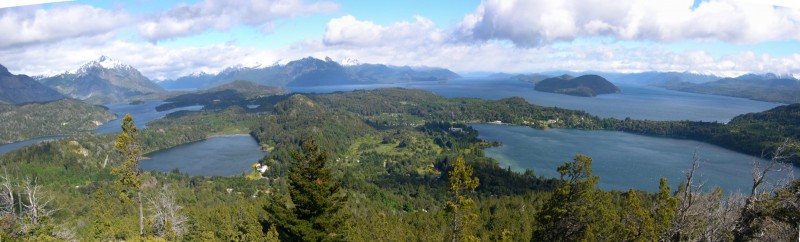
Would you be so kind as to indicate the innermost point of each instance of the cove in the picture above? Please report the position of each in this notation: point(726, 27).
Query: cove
point(216, 156)
point(622, 160)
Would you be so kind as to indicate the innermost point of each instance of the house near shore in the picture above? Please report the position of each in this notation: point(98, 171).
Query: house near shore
point(262, 168)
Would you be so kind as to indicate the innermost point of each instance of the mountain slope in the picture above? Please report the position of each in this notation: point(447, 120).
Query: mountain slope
point(250, 89)
point(584, 86)
point(102, 80)
point(22, 89)
point(767, 87)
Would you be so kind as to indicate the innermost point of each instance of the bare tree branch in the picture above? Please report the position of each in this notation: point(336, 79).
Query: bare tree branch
point(6, 195)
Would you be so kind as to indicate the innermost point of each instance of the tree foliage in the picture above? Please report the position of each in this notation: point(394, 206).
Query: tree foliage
point(316, 211)
point(129, 174)
point(462, 184)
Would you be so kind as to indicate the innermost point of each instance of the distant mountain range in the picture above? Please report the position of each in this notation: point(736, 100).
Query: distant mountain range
point(102, 81)
point(584, 86)
point(313, 72)
point(105, 80)
point(22, 89)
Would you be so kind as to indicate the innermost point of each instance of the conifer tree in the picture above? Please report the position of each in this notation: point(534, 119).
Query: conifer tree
point(101, 216)
point(318, 211)
point(637, 225)
point(272, 234)
point(460, 207)
point(129, 175)
point(576, 211)
point(664, 212)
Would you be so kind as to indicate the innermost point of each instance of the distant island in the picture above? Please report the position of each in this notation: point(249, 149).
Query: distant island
point(583, 86)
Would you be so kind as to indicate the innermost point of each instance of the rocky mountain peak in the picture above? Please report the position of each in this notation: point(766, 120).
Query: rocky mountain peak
point(104, 62)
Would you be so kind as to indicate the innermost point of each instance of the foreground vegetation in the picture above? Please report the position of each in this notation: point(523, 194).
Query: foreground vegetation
point(381, 165)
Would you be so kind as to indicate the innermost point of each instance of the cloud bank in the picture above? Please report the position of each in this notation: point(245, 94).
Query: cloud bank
point(529, 23)
point(185, 20)
point(507, 36)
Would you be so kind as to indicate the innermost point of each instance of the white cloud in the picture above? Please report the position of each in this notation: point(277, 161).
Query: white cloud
point(349, 31)
point(536, 22)
point(486, 40)
point(184, 20)
point(27, 25)
point(17, 3)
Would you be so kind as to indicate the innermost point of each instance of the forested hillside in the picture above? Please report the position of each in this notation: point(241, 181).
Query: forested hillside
point(66, 116)
point(768, 88)
point(377, 165)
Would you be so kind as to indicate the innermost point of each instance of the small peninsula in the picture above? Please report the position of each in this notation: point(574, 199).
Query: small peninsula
point(583, 86)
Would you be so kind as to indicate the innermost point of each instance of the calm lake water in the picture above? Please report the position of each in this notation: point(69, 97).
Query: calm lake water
point(621, 160)
point(142, 113)
point(217, 156)
point(637, 102)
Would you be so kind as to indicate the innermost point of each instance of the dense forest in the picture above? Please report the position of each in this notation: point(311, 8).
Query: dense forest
point(377, 165)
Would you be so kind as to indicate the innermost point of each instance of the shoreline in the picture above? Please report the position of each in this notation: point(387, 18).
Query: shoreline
point(224, 135)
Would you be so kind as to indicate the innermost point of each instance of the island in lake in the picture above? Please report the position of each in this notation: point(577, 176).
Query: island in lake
point(584, 86)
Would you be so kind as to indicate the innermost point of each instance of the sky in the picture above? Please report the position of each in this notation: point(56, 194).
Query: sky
point(168, 39)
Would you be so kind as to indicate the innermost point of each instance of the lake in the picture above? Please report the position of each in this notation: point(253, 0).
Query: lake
point(217, 156)
point(621, 160)
point(141, 113)
point(637, 102)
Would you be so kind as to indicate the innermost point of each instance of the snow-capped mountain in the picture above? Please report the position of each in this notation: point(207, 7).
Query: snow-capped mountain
point(102, 80)
point(347, 61)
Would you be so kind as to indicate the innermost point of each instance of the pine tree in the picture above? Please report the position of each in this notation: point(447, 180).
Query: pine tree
point(460, 207)
point(130, 177)
point(664, 211)
point(272, 234)
point(317, 214)
point(101, 216)
point(576, 211)
point(637, 225)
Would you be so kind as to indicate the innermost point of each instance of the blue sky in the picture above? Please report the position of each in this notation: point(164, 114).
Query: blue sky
point(168, 39)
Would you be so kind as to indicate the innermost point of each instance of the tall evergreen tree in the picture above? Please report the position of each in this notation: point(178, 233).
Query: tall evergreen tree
point(130, 177)
point(637, 225)
point(460, 207)
point(318, 211)
point(576, 211)
point(664, 211)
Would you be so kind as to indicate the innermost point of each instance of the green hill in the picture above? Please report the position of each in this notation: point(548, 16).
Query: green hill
point(66, 116)
point(584, 86)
